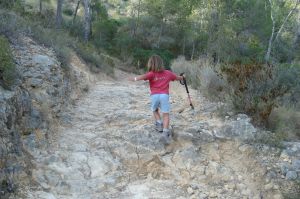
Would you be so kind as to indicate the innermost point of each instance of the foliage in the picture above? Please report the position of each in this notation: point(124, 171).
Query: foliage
point(12, 4)
point(7, 67)
point(201, 74)
point(257, 88)
point(141, 56)
point(98, 62)
point(68, 11)
point(10, 24)
point(104, 33)
point(75, 28)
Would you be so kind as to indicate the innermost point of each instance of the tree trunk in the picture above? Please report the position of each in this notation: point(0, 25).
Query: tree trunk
point(87, 20)
point(183, 46)
point(41, 6)
point(296, 43)
point(285, 20)
point(193, 51)
point(160, 33)
point(76, 10)
point(267, 57)
point(59, 13)
point(138, 19)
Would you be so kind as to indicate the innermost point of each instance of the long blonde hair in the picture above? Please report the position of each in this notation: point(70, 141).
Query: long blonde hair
point(155, 63)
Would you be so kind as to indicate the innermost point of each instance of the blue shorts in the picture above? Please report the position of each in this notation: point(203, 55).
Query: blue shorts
point(160, 101)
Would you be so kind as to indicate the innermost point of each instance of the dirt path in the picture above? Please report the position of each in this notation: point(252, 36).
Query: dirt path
point(109, 149)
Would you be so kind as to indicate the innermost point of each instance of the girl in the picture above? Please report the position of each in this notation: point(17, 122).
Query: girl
point(159, 79)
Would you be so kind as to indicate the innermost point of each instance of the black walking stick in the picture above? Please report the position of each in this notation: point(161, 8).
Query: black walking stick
point(183, 82)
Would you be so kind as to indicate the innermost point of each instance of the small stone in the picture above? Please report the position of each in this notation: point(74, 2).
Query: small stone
point(276, 187)
point(212, 195)
point(202, 196)
point(190, 190)
point(268, 186)
point(284, 167)
point(296, 164)
point(277, 196)
point(291, 175)
point(271, 174)
point(246, 192)
point(284, 157)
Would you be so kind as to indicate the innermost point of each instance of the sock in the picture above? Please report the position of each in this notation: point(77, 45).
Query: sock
point(158, 121)
point(166, 130)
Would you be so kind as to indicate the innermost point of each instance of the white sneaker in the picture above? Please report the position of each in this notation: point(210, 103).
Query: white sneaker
point(158, 127)
point(167, 136)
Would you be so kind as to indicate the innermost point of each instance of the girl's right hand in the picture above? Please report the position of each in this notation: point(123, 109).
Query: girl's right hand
point(131, 79)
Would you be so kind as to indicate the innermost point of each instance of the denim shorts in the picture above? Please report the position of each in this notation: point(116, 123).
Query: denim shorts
point(160, 101)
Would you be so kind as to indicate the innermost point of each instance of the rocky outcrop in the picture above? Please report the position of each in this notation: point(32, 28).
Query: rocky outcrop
point(105, 146)
point(109, 149)
point(31, 110)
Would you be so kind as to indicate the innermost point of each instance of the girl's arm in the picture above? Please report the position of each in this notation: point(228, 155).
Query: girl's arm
point(137, 78)
point(179, 78)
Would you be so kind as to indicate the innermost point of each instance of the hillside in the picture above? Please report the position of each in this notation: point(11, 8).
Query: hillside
point(105, 146)
point(73, 125)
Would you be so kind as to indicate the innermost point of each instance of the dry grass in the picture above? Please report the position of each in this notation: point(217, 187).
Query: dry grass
point(203, 75)
point(285, 120)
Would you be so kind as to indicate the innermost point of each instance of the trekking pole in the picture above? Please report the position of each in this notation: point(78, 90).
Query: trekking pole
point(183, 82)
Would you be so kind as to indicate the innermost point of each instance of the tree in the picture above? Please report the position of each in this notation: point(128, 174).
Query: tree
point(59, 13)
point(281, 27)
point(87, 20)
point(41, 4)
point(76, 10)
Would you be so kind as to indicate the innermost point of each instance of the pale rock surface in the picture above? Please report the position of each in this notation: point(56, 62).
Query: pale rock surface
point(109, 149)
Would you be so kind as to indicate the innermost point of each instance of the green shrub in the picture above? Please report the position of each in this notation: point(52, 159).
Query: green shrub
point(75, 28)
point(11, 24)
point(7, 67)
point(12, 4)
point(141, 56)
point(104, 32)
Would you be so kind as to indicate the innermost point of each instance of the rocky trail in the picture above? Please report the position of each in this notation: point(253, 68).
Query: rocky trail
point(106, 147)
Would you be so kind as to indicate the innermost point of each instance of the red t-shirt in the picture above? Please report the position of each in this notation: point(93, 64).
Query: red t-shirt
point(159, 81)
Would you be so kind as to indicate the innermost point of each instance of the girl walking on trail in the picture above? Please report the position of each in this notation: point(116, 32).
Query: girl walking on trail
point(159, 79)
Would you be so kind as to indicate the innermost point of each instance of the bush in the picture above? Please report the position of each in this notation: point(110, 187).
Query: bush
point(104, 33)
point(11, 24)
point(12, 4)
point(192, 70)
point(256, 88)
point(285, 120)
point(7, 67)
point(201, 75)
point(97, 61)
point(75, 28)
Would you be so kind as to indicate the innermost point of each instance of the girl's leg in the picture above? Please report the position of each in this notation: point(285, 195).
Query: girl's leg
point(156, 115)
point(166, 120)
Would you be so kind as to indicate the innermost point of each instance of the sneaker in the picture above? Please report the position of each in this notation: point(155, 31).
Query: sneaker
point(159, 127)
point(167, 136)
